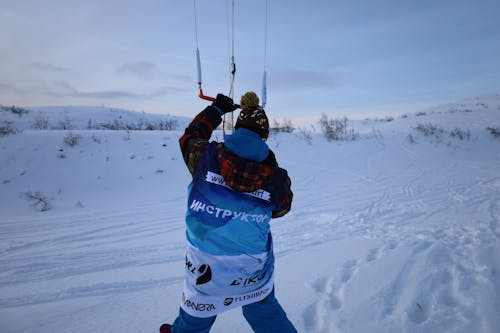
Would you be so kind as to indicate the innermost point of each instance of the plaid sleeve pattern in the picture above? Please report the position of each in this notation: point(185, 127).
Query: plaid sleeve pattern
point(286, 201)
point(195, 139)
point(241, 175)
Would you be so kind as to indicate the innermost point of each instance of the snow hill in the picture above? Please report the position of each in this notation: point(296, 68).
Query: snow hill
point(397, 230)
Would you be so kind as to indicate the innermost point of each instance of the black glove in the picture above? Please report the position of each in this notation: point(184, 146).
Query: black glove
point(224, 104)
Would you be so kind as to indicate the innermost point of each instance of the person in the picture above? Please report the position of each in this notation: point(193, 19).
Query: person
point(237, 187)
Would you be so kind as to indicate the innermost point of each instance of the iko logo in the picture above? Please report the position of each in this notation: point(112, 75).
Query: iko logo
point(245, 282)
point(228, 301)
point(204, 270)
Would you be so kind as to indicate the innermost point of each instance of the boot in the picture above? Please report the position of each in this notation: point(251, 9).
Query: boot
point(165, 328)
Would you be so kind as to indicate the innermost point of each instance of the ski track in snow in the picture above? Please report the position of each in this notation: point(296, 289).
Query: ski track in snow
point(410, 234)
point(447, 256)
point(71, 247)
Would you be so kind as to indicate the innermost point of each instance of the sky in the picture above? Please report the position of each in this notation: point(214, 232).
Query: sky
point(342, 58)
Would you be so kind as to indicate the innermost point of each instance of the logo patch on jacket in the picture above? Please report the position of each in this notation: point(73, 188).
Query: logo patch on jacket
point(225, 215)
point(214, 178)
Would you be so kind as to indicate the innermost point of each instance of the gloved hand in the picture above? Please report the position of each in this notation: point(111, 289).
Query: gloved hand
point(224, 104)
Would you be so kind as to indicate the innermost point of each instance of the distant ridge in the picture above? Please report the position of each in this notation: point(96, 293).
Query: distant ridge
point(82, 117)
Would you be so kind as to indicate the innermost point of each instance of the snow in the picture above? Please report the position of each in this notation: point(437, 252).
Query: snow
point(392, 232)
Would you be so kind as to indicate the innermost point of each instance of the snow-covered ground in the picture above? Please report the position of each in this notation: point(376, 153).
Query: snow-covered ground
point(396, 231)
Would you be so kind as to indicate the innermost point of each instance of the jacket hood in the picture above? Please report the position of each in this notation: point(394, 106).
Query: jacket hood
point(247, 144)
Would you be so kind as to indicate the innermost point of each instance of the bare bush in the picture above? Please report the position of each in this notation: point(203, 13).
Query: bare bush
point(304, 134)
point(437, 133)
point(15, 110)
point(167, 125)
point(64, 124)
point(430, 130)
point(71, 139)
point(96, 139)
point(284, 127)
point(141, 125)
point(127, 136)
point(385, 119)
point(460, 134)
point(7, 129)
point(40, 123)
point(38, 200)
point(336, 129)
point(411, 139)
point(495, 131)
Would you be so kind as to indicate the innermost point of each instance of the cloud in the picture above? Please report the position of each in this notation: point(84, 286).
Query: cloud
point(46, 67)
point(141, 69)
point(7, 88)
point(182, 78)
point(65, 89)
point(300, 79)
point(147, 70)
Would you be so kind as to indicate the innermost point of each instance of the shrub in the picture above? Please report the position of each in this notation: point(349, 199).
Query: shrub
point(495, 131)
point(435, 132)
point(40, 123)
point(127, 136)
point(411, 139)
point(460, 134)
point(429, 130)
point(7, 129)
point(38, 200)
point(385, 119)
point(71, 139)
point(64, 124)
point(304, 134)
point(167, 125)
point(96, 139)
point(141, 125)
point(285, 127)
point(15, 110)
point(336, 129)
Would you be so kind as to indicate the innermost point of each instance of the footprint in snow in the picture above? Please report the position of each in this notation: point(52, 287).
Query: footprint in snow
point(331, 293)
point(392, 245)
point(347, 270)
point(373, 254)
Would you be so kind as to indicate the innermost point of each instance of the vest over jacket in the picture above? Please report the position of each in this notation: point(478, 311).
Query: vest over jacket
point(229, 259)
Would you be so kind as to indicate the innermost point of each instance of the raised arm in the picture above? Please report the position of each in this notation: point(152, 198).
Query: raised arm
point(195, 139)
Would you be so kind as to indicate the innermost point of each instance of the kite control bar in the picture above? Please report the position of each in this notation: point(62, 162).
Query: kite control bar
point(212, 99)
point(207, 98)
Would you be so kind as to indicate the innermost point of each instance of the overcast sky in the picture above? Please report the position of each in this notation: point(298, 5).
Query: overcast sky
point(354, 58)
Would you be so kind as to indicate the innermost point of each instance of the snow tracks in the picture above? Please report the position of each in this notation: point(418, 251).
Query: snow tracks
point(413, 246)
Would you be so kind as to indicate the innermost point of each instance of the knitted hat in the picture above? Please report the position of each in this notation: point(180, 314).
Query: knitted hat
point(252, 116)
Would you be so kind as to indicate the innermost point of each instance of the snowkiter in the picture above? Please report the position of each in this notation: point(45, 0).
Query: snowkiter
point(237, 188)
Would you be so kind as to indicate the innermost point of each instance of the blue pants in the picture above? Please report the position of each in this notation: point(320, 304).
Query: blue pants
point(266, 316)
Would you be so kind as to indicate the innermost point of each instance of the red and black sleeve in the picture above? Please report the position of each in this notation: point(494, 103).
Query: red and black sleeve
point(194, 141)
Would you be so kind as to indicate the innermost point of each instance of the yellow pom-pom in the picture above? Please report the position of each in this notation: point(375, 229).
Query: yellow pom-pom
point(249, 100)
